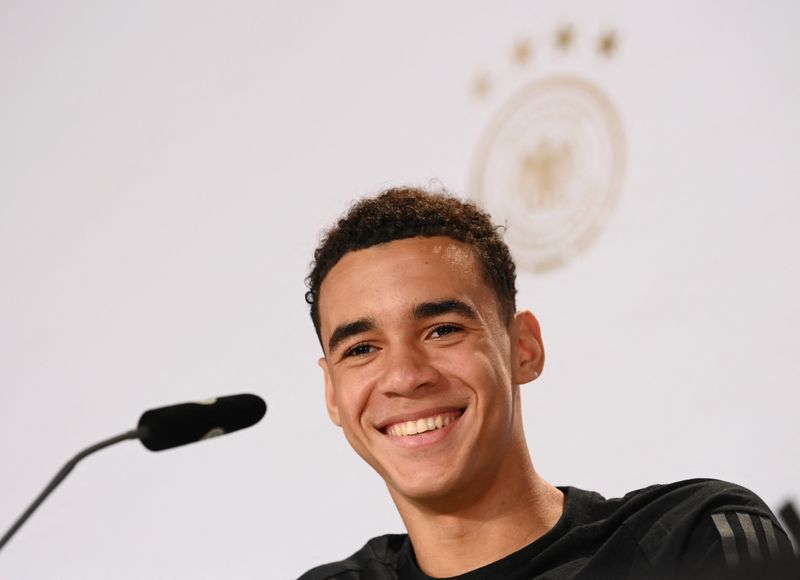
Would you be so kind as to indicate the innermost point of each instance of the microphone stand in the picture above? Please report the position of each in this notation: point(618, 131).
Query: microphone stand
point(69, 466)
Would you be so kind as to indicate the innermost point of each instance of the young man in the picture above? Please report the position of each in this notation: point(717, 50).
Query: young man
point(413, 299)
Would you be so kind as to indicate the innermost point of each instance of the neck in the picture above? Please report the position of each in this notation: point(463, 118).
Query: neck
point(452, 537)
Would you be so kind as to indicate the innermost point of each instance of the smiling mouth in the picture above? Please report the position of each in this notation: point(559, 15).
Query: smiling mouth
point(421, 425)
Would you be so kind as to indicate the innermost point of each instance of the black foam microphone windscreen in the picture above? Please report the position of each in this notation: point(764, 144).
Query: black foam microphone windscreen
point(175, 425)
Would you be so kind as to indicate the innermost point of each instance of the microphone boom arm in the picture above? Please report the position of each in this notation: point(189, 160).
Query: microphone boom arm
point(69, 466)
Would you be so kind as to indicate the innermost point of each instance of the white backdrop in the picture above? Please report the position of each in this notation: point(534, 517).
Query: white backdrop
point(165, 168)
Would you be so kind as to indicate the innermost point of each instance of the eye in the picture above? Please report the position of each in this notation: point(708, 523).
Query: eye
point(443, 330)
point(361, 349)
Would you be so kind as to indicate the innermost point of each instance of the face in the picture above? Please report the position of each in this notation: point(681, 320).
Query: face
point(421, 370)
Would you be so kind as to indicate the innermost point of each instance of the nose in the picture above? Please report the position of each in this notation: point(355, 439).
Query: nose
point(408, 369)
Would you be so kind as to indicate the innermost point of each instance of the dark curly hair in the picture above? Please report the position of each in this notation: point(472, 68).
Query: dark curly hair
point(407, 212)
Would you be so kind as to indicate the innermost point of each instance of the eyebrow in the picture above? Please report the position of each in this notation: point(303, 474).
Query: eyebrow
point(450, 306)
point(348, 329)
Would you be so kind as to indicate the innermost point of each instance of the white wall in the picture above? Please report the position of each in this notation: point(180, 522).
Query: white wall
point(165, 168)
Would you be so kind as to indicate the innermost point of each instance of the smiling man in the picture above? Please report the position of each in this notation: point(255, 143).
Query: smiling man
point(412, 296)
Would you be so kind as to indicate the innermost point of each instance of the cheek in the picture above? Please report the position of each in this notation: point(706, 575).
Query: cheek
point(487, 374)
point(352, 396)
point(479, 364)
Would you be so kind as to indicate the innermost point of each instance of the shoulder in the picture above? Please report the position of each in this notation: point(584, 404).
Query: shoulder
point(376, 560)
point(665, 505)
point(696, 490)
point(706, 524)
point(684, 505)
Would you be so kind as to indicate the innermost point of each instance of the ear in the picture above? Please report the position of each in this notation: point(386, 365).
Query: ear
point(330, 395)
point(527, 350)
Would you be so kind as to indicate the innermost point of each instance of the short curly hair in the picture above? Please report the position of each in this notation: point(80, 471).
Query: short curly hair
point(408, 212)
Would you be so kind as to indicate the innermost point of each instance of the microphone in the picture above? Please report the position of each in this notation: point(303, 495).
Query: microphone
point(164, 428)
point(168, 427)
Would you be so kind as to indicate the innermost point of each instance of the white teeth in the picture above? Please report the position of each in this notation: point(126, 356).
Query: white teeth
point(419, 426)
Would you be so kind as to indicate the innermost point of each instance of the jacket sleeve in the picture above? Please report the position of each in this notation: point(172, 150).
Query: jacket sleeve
point(742, 543)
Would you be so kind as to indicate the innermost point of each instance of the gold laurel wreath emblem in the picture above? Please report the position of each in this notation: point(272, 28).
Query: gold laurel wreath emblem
point(550, 166)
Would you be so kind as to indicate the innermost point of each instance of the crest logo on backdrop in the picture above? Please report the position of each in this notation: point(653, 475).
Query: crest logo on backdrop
point(550, 162)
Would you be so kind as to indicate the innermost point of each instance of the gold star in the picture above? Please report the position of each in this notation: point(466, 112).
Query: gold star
point(481, 86)
point(523, 51)
point(564, 38)
point(607, 44)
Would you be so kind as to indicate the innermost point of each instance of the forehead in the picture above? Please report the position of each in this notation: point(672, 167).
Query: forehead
point(399, 274)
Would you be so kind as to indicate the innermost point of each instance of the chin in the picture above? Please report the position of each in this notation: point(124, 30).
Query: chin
point(422, 489)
